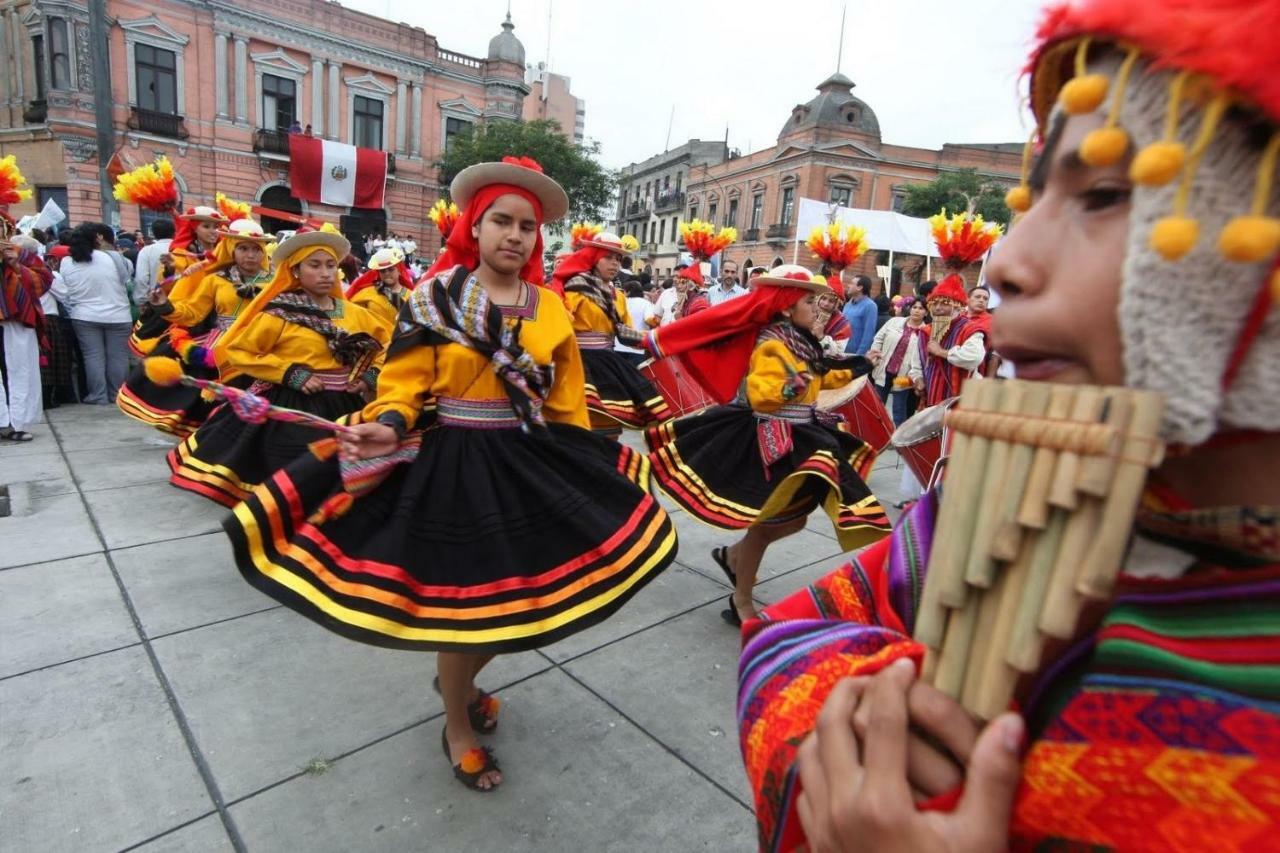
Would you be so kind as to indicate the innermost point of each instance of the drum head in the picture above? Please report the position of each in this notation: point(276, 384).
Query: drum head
point(830, 399)
point(922, 426)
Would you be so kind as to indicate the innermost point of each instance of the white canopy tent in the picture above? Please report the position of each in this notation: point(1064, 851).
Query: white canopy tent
point(886, 230)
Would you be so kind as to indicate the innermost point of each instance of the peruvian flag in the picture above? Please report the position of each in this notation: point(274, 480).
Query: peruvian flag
point(334, 173)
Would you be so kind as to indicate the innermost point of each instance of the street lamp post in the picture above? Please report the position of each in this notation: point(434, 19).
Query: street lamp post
point(100, 53)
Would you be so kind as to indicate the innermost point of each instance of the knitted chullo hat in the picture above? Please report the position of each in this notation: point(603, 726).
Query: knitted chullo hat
point(1192, 88)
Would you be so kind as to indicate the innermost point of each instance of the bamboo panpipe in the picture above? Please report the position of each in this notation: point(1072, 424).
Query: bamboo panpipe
point(1042, 485)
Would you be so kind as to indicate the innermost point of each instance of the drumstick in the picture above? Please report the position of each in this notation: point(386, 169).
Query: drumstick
point(931, 617)
point(980, 567)
point(1008, 533)
point(1141, 451)
point(1086, 409)
point(962, 499)
point(1034, 512)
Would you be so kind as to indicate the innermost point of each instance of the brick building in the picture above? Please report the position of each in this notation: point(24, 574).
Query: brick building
point(215, 86)
point(652, 198)
point(549, 98)
point(828, 149)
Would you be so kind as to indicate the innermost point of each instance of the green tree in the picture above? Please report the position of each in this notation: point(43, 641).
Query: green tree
point(960, 191)
point(588, 184)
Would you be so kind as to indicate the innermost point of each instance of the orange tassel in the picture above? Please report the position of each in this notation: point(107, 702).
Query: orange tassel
point(324, 448)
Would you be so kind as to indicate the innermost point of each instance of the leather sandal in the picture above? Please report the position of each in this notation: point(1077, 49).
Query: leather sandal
point(482, 712)
point(475, 762)
point(721, 557)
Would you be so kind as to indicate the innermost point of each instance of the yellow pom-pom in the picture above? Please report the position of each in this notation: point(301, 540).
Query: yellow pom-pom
point(1174, 236)
point(1158, 164)
point(1104, 146)
point(1018, 199)
point(1249, 239)
point(163, 371)
point(1084, 94)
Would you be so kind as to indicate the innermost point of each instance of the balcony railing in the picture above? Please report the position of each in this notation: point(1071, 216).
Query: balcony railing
point(778, 229)
point(36, 112)
point(271, 141)
point(669, 200)
point(391, 163)
point(636, 208)
point(161, 124)
point(751, 235)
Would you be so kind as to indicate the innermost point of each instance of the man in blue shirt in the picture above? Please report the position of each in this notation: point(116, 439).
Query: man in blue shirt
point(860, 311)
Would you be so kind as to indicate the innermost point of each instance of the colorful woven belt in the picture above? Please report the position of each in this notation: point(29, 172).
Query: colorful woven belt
point(791, 412)
point(594, 340)
point(485, 413)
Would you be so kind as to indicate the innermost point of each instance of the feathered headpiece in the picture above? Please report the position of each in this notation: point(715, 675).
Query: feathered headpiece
point(151, 186)
point(838, 247)
point(702, 240)
point(580, 231)
point(962, 238)
point(444, 215)
point(13, 187)
point(233, 210)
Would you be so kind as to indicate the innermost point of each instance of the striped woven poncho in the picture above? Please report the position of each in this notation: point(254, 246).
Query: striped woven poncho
point(1159, 731)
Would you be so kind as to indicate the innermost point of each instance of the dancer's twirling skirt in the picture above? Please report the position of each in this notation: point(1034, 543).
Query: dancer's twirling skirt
point(176, 409)
point(226, 457)
point(618, 393)
point(714, 465)
point(491, 540)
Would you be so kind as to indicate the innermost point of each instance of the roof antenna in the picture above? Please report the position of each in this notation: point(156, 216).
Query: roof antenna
point(840, 50)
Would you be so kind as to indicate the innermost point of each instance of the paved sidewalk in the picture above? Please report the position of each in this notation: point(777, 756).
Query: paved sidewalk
point(150, 699)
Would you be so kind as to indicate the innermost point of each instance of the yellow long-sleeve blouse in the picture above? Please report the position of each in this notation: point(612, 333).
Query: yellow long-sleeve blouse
point(269, 346)
point(215, 292)
point(772, 366)
point(418, 373)
point(587, 316)
point(370, 299)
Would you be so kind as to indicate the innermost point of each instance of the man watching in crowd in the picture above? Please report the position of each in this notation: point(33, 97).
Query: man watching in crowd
point(860, 311)
point(148, 269)
point(728, 287)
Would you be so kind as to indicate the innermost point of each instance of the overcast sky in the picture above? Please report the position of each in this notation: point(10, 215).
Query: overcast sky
point(933, 71)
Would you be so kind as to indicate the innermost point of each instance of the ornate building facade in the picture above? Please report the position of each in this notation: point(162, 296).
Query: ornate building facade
point(216, 85)
point(828, 149)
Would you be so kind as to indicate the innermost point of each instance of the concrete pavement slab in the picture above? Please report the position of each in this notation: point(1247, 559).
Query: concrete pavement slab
point(152, 512)
point(93, 758)
point(47, 528)
point(106, 431)
point(673, 592)
point(185, 583)
point(206, 835)
point(678, 681)
point(804, 547)
point(119, 466)
point(578, 777)
point(267, 694)
point(44, 466)
point(59, 611)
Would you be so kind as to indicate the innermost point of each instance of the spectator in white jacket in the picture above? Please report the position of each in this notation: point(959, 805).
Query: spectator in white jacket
point(894, 350)
point(149, 267)
point(96, 294)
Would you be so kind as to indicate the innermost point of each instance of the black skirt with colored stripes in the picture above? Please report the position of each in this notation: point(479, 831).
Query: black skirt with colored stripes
point(226, 457)
point(176, 409)
point(619, 393)
point(711, 464)
point(489, 541)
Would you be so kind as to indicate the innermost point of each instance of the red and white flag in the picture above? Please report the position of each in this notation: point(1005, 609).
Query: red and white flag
point(334, 173)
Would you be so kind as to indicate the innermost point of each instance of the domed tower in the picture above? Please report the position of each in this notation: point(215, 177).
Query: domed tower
point(504, 86)
point(834, 112)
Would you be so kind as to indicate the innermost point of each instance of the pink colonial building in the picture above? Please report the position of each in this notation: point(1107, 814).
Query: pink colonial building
point(216, 85)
